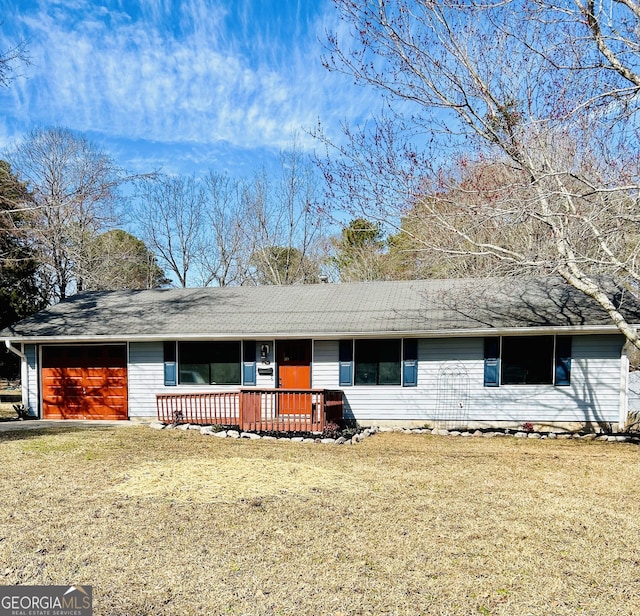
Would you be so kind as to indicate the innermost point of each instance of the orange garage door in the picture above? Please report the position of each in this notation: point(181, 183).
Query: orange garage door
point(84, 382)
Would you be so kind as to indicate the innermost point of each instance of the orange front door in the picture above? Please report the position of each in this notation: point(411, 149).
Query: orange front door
point(294, 372)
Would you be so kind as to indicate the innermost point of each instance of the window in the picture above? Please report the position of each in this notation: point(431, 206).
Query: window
point(215, 363)
point(527, 360)
point(377, 362)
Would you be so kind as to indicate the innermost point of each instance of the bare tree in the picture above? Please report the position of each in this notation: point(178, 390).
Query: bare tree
point(10, 59)
point(545, 95)
point(73, 195)
point(171, 216)
point(285, 224)
point(226, 258)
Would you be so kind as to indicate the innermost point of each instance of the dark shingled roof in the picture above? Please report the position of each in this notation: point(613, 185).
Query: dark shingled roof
point(426, 307)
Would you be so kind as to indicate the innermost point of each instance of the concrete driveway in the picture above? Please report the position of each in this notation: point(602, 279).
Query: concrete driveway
point(43, 424)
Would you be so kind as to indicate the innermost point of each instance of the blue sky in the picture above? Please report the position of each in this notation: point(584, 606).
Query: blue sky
point(178, 86)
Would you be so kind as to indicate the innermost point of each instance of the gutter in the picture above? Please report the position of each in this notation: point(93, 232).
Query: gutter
point(24, 372)
point(323, 335)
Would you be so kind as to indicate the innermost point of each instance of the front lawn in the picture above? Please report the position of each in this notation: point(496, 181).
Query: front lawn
point(177, 523)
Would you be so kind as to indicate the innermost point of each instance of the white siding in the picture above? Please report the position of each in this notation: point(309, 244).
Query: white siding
point(451, 386)
point(146, 377)
point(31, 392)
point(266, 381)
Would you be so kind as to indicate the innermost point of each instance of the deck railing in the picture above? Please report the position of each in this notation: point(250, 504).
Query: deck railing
point(222, 407)
point(259, 410)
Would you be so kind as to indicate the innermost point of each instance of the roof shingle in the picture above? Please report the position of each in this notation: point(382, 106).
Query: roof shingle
point(371, 308)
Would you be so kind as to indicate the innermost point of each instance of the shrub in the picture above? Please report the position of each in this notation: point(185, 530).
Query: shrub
point(332, 430)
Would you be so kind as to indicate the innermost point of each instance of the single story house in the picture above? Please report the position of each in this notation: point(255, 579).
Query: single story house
point(465, 352)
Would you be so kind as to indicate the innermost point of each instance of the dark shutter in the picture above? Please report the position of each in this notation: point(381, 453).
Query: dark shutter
point(410, 363)
point(249, 363)
point(345, 363)
point(492, 361)
point(563, 361)
point(170, 366)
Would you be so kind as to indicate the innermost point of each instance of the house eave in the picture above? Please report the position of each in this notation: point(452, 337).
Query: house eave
point(267, 335)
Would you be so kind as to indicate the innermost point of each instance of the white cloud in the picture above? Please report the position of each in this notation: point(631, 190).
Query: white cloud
point(187, 78)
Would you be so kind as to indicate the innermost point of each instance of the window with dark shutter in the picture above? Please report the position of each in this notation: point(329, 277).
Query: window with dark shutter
point(249, 362)
point(563, 361)
point(209, 363)
point(170, 366)
point(410, 363)
point(492, 361)
point(527, 360)
point(345, 363)
point(377, 362)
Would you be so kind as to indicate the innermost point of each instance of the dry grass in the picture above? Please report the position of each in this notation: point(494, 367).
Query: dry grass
point(7, 411)
point(174, 523)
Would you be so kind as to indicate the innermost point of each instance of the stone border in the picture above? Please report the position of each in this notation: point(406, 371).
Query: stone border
point(366, 432)
point(236, 434)
point(533, 434)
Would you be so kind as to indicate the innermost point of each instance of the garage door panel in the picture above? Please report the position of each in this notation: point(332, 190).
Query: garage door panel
point(85, 382)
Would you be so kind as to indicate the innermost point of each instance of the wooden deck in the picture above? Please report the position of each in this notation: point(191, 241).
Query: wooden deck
point(255, 410)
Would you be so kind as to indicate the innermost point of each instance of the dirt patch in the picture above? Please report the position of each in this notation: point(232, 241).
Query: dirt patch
point(231, 480)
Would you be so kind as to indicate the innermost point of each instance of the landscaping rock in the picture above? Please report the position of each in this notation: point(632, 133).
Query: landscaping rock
point(552, 435)
point(465, 434)
point(296, 439)
point(588, 437)
point(489, 434)
point(602, 437)
point(269, 438)
point(454, 433)
point(341, 441)
point(521, 435)
point(478, 433)
point(534, 435)
point(156, 425)
point(221, 434)
point(194, 427)
point(328, 441)
point(184, 426)
point(233, 434)
point(443, 432)
point(309, 440)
